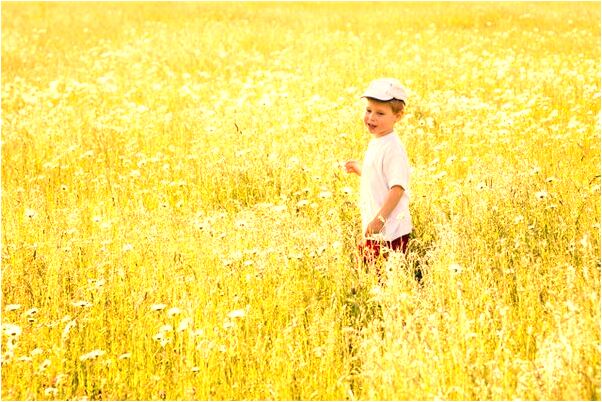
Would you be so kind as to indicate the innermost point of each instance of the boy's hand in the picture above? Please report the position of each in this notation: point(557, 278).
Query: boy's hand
point(353, 167)
point(374, 227)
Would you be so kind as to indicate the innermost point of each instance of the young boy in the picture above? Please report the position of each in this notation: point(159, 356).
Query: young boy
point(385, 173)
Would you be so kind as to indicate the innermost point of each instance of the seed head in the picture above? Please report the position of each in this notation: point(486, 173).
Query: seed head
point(12, 307)
point(158, 306)
point(92, 355)
point(455, 268)
point(172, 312)
point(11, 329)
point(236, 313)
point(125, 356)
point(31, 312)
point(50, 391)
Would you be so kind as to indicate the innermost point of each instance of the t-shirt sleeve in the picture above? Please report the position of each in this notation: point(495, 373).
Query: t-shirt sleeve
point(396, 168)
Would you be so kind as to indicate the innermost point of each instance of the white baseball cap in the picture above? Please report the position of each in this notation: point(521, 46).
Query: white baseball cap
point(385, 89)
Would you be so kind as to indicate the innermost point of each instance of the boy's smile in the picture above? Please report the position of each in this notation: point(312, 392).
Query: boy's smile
point(379, 117)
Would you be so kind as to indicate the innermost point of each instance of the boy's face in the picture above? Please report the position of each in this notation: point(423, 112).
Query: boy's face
point(379, 117)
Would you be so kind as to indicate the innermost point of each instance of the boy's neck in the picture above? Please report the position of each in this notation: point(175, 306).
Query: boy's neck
point(382, 135)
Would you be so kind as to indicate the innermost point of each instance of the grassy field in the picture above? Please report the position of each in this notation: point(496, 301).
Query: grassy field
point(176, 223)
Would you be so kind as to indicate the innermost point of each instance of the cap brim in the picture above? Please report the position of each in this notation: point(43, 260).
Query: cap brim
point(372, 95)
point(379, 96)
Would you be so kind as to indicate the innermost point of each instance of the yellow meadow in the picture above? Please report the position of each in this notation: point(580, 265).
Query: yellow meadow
point(172, 187)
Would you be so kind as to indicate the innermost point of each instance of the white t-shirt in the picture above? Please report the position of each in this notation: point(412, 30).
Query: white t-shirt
point(385, 165)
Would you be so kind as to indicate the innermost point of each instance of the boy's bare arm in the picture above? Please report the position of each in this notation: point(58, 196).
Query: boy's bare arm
point(376, 225)
point(353, 167)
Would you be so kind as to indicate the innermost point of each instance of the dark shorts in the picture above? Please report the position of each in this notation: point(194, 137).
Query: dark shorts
point(373, 249)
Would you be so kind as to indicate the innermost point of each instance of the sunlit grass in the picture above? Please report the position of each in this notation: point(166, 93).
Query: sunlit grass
point(176, 223)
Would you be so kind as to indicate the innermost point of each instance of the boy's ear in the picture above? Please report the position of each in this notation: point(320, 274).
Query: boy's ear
point(400, 115)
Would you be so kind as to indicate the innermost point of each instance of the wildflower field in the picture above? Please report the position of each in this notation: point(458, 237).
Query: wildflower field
point(177, 224)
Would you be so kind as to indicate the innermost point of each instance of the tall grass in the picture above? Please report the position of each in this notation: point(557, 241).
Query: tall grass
point(176, 223)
